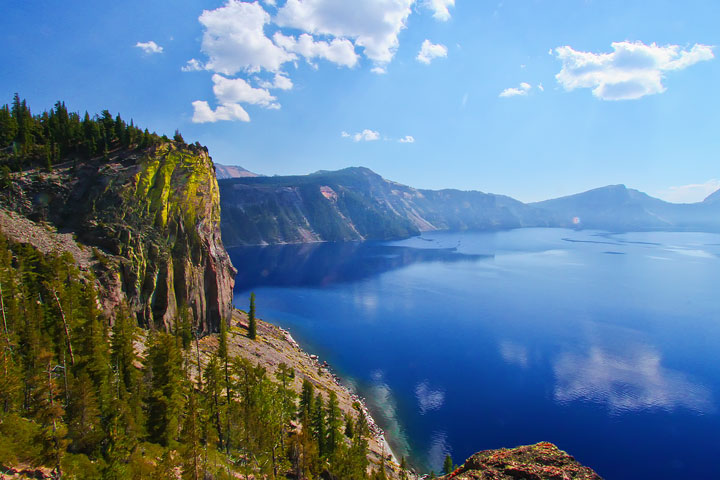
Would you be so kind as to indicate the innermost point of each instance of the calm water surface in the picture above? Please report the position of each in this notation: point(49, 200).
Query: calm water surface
point(606, 344)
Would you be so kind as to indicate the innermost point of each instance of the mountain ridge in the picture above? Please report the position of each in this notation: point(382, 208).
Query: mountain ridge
point(356, 204)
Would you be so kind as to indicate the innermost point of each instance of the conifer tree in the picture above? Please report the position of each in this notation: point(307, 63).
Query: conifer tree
point(318, 425)
point(334, 424)
point(448, 465)
point(165, 391)
point(252, 322)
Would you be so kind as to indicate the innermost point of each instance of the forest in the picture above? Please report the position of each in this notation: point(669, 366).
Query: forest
point(77, 394)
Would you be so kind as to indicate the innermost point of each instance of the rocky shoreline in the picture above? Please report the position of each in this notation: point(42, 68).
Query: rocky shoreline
point(276, 345)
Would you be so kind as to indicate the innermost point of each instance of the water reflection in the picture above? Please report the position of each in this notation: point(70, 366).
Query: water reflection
point(513, 353)
point(323, 264)
point(428, 399)
point(629, 381)
point(439, 448)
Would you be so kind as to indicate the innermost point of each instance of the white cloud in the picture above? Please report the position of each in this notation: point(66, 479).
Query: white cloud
point(237, 90)
point(235, 40)
point(338, 51)
point(149, 47)
point(407, 139)
point(366, 135)
point(280, 81)
point(514, 92)
point(230, 93)
point(372, 24)
point(695, 192)
point(192, 65)
point(429, 51)
point(203, 112)
point(379, 70)
point(540, 87)
point(440, 8)
point(631, 71)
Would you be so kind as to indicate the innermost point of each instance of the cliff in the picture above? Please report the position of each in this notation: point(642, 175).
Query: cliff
point(542, 461)
point(147, 222)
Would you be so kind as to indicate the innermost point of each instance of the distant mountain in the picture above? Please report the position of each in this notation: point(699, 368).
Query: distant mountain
point(356, 204)
point(232, 171)
point(713, 197)
point(619, 208)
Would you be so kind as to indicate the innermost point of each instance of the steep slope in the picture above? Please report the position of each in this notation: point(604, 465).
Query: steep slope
point(152, 221)
point(355, 204)
point(542, 461)
point(616, 207)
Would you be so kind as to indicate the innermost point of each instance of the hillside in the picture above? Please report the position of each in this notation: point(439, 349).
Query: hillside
point(619, 208)
point(355, 204)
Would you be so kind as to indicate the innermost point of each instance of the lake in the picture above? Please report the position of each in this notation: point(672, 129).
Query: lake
point(607, 345)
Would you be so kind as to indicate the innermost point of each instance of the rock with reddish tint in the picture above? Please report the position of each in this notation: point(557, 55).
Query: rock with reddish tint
point(542, 461)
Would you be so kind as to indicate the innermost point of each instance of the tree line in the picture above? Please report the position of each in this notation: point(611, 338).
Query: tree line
point(77, 395)
point(57, 135)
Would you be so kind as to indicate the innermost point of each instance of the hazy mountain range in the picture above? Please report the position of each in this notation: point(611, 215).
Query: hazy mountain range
point(358, 204)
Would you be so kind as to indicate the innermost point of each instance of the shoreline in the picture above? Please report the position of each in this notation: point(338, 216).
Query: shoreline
point(374, 428)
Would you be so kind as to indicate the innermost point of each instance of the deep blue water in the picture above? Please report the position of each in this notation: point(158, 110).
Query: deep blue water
point(606, 344)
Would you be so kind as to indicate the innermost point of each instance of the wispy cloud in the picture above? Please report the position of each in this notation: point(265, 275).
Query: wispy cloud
point(429, 51)
point(407, 139)
point(366, 135)
point(631, 71)
point(522, 90)
point(694, 192)
point(192, 65)
point(149, 47)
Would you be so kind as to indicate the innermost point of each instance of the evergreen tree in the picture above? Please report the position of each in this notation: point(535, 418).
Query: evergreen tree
point(448, 465)
point(334, 424)
point(165, 389)
point(252, 322)
point(318, 425)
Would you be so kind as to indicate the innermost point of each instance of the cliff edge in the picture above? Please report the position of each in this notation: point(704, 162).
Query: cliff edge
point(146, 222)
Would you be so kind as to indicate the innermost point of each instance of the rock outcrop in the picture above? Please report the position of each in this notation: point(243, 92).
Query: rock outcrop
point(542, 461)
point(152, 222)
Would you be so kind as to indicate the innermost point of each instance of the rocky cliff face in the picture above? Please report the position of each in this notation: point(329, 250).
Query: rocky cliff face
point(152, 222)
point(542, 461)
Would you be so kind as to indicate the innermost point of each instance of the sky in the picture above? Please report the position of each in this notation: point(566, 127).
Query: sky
point(529, 98)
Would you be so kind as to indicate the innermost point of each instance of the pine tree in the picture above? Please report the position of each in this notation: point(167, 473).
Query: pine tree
point(318, 425)
point(252, 322)
point(448, 465)
point(165, 390)
point(334, 424)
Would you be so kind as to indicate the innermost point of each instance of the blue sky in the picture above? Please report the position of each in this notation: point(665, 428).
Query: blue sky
point(596, 92)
